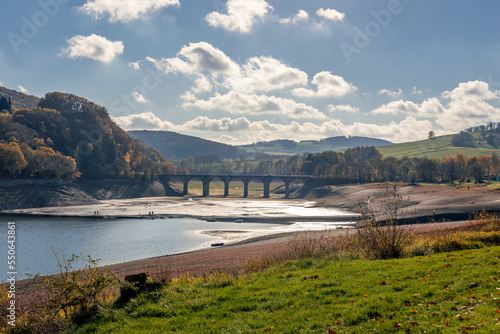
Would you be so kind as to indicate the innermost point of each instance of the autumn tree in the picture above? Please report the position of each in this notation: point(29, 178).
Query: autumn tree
point(12, 160)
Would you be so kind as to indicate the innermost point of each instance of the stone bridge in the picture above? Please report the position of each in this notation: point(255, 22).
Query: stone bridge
point(227, 178)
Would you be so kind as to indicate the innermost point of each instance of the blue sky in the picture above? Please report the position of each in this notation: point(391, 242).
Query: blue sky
point(240, 71)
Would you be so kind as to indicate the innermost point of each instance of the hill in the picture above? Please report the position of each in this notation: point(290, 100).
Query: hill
point(312, 146)
point(176, 146)
point(439, 148)
point(19, 100)
point(66, 136)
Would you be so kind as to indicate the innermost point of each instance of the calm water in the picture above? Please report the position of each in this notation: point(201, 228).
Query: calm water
point(112, 241)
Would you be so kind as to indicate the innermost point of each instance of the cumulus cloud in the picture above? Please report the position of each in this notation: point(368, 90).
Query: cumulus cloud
point(22, 89)
point(343, 108)
point(238, 89)
point(465, 106)
point(204, 123)
point(301, 17)
point(241, 15)
point(125, 10)
point(390, 92)
point(143, 121)
point(265, 74)
point(239, 103)
point(139, 98)
point(429, 108)
point(94, 47)
point(329, 85)
point(241, 130)
point(331, 14)
point(195, 58)
point(468, 106)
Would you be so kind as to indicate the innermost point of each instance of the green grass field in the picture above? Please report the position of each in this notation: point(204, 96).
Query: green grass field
point(438, 148)
point(444, 293)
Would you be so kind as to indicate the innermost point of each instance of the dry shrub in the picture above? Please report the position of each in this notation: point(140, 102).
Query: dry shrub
point(380, 232)
point(69, 296)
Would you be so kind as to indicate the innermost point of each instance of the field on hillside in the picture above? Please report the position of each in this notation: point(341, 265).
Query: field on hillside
point(443, 293)
point(438, 148)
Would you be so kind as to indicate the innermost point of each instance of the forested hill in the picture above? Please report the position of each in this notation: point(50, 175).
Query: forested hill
point(340, 143)
point(177, 146)
point(19, 100)
point(67, 136)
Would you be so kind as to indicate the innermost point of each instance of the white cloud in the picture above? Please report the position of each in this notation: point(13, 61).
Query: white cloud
point(239, 103)
point(471, 90)
point(139, 98)
point(241, 130)
point(390, 92)
point(301, 17)
point(94, 47)
point(347, 108)
point(202, 84)
point(329, 85)
point(1, 83)
point(143, 121)
point(22, 89)
point(241, 15)
point(195, 58)
point(135, 65)
point(124, 10)
point(429, 108)
point(465, 106)
point(330, 14)
point(416, 91)
point(468, 106)
point(204, 123)
point(265, 74)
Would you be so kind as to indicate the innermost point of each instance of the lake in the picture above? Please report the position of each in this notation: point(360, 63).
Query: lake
point(111, 240)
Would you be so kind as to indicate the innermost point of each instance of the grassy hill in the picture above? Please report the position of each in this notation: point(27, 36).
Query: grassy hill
point(438, 148)
point(174, 145)
point(443, 293)
point(312, 146)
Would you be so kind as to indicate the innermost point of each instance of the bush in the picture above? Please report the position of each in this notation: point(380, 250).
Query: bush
point(73, 295)
point(380, 233)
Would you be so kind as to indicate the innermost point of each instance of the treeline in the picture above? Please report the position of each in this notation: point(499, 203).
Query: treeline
point(489, 133)
point(261, 164)
point(367, 164)
point(357, 164)
point(67, 136)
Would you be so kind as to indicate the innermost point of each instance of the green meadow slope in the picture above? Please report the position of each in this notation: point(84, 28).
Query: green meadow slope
point(438, 148)
point(441, 293)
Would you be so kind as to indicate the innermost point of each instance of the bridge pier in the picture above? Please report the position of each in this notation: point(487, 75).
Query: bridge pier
point(185, 189)
point(267, 186)
point(226, 186)
point(206, 186)
point(245, 188)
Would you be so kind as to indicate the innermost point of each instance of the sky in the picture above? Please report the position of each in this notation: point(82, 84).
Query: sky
point(242, 71)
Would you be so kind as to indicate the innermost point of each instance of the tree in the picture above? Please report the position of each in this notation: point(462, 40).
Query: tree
point(432, 135)
point(4, 104)
point(412, 176)
point(451, 169)
point(475, 169)
point(12, 160)
point(463, 139)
